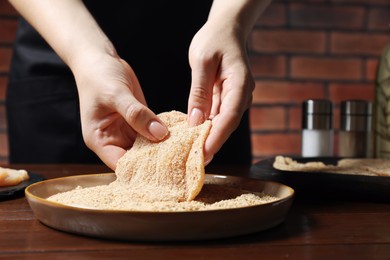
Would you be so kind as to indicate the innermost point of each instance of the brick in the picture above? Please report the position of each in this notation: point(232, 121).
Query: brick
point(4, 151)
point(359, 43)
point(323, 68)
point(268, 65)
point(8, 30)
point(264, 145)
point(344, 91)
point(327, 16)
point(297, 41)
point(271, 92)
point(7, 9)
point(371, 69)
point(5, 59)
point(276, 118)
point(274, 15)
point(3, 86)
point(379, 19)
point(295, 117)
point(268, 118)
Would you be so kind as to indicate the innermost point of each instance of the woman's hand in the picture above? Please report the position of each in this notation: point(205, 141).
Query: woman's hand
point(113, 108)
point(222, 83)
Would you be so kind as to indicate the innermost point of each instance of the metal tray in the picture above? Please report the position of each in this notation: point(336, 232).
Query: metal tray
point(325, 185)
point(9, 191)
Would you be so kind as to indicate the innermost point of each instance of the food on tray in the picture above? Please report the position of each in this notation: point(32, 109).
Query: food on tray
point(288, 164)
point(12, 177)
point(354, 166)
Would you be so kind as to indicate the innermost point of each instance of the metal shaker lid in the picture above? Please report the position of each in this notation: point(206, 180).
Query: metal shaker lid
point(317, 114)
point(355, 115)
point(356, 107)
point(317, 106)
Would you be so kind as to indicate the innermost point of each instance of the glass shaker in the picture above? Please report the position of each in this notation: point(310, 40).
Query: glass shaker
point(317, 128)
point(355, 138)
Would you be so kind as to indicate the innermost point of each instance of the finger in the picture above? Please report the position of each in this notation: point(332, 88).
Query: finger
point(141, 118)
point(200, 100)
point(133, 108)
point(223, 126)
point(110, 155)
point(112, 130)
point(216, 101)
point(233, 103)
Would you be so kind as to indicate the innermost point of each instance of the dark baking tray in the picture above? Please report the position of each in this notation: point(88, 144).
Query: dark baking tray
point(325, 185)
point(10, 191)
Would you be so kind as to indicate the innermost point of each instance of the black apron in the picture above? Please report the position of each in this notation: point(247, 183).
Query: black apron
point(42, 101)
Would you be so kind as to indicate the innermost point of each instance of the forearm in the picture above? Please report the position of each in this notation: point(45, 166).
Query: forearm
point(238, 14)
point(67, 26)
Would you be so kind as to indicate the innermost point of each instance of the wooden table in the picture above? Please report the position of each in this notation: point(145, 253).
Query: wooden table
point(314, 229)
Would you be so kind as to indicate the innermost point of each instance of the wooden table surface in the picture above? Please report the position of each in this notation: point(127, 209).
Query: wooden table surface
point(314, 229)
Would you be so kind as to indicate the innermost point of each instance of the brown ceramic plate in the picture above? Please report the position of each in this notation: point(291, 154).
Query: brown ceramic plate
point(325, 184)
point(158, 226)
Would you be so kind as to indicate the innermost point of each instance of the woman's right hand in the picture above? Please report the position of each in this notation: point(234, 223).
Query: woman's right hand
point(112, 107)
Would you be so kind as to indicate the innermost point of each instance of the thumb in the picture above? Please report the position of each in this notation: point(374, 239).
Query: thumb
point(141, 118)
point(132, 106)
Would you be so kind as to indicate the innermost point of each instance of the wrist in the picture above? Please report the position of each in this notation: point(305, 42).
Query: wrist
point(240, 15)
point(83, 57)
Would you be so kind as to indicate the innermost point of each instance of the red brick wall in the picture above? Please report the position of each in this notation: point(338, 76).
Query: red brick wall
point(298, 50)
point(311, 49)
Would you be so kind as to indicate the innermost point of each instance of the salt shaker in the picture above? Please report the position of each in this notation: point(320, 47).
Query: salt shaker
point(317, 128)
point(355, 135)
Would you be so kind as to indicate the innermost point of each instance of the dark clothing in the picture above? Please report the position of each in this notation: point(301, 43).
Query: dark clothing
point(42, 100)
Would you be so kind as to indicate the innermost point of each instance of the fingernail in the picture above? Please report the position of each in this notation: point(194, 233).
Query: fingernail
point(196, 117)
point(208, 160)
point(158, 130)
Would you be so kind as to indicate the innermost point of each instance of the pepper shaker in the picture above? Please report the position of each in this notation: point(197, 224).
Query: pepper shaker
point(317, 128)
point(355, 138)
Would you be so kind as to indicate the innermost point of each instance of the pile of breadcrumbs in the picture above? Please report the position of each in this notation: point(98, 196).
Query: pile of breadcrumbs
point(116, 196)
